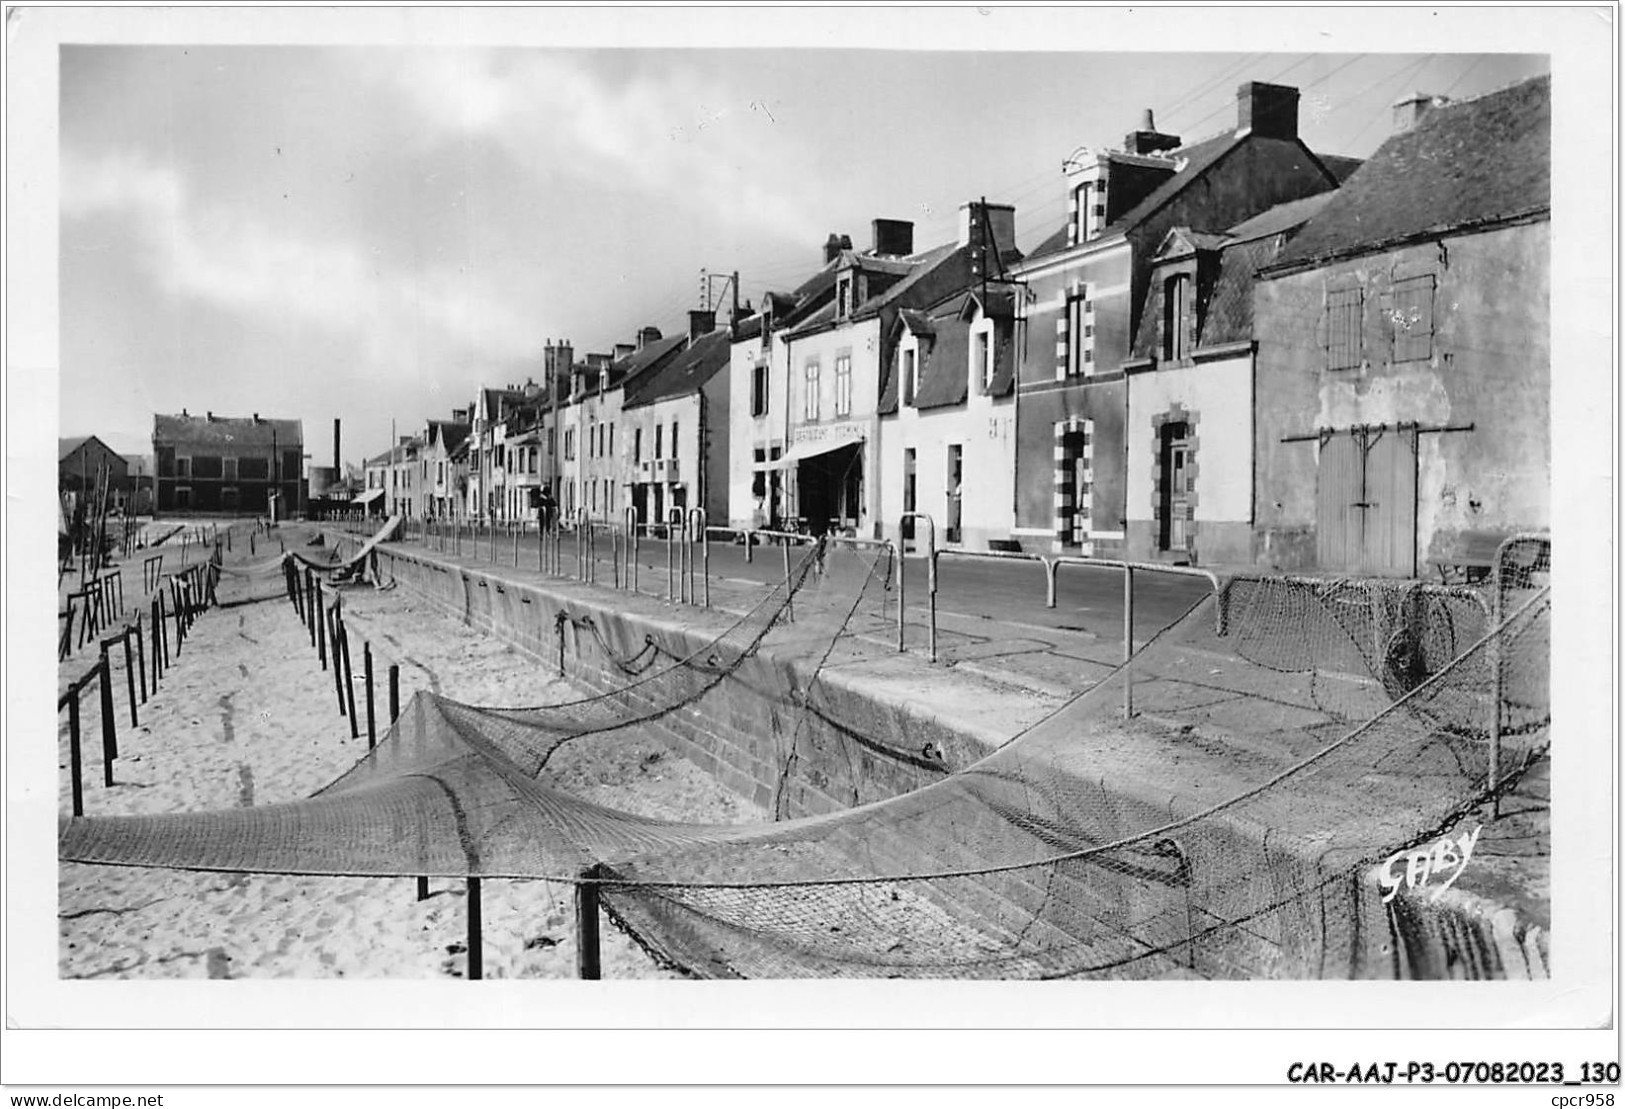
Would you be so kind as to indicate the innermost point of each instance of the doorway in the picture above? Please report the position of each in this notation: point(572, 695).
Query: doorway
point(1365, 512)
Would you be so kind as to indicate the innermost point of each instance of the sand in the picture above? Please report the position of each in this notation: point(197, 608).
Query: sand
point(246, 716)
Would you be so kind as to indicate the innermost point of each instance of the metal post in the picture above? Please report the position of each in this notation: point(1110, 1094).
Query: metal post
point(129, 676)
point(789, 592)
point(372, 718)
point(1496, 679)
point(630, 577)
point(73, 753)
point(671, 572)
point(587, 952)
point(476, 942)
point(109, 732)
point(705, 556)
point(1128, 642)
point(394, 692)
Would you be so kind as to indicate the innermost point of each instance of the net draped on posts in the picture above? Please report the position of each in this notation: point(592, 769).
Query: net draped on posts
point(1289, 736)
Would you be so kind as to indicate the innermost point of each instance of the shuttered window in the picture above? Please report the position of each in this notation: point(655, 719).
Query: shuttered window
point(1343, 313)
point(1411, 319)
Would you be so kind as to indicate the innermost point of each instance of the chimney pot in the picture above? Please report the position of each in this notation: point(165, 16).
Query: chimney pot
point(1411, 110)
point(700, 322)
point(1270, 111)
point(893, 236)
point(1147, 122)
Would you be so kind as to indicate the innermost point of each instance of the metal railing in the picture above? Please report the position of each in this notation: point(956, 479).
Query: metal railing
point(930, 582)
point(1498, 588)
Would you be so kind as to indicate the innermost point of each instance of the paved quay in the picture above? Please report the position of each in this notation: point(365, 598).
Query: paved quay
point(994, 677)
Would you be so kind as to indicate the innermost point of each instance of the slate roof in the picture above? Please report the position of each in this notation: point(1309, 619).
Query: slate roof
point(918, 322)
point(1227, 316)
point(1473, 162)
point(640, 361)
point(449, 432)
point(1198, 158)
point(945, 354)
point(498, 401)
point(1282, 217)
point(65, 447)
point(222, 431)
point(1340, 166)
point(684, 374)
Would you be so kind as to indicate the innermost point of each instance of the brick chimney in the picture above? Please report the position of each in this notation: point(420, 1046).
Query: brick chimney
point(893, 236)
point(1148, 140)
point(1271, 111)
point(647, 335)
point(834, 245)
point(1410, 110)
point(999, 220)
point(700, 322)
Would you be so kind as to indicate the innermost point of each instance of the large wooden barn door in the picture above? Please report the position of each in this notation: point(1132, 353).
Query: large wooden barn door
point(1366, 502)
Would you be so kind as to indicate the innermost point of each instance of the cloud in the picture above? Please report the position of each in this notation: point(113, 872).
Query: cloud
point(238, 261)
point(675, 134)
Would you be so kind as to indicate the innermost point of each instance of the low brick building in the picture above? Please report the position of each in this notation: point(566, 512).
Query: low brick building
point(228, 464)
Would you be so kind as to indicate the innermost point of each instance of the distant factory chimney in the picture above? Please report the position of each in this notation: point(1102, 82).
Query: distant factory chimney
point(337, 465)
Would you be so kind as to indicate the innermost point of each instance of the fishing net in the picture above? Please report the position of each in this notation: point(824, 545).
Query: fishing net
point(1225, 829)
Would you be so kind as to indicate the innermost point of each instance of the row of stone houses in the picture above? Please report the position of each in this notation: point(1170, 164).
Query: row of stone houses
point(1235, 351)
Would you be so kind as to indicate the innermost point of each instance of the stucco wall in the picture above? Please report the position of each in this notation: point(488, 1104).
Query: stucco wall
point(861, 341)
point(1045, 400)
point(1490, 368)
point(1217, 398)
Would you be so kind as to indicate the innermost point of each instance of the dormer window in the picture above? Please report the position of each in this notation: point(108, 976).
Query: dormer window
point(603, 380)
point(843, 296)
point(981, 355)
point(1175, 310)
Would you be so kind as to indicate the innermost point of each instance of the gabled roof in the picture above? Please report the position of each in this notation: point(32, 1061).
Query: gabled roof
point(1182, 240)
point(1195, 160)
point(918, 322)
point(1198, 158)
point(1227, 314)
point(448, 432)
point(640, 361)
point(996, 302)
point(1340, 166)
point(65, 447)
point(228, 431)
point(1282, 217)
point(684, 374)
point(1468, 164)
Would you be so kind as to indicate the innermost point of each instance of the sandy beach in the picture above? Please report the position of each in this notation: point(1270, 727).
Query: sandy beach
point(247, 716)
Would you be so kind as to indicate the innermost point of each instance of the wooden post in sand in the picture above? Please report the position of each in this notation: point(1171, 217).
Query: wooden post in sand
point(129, 676)
point(73, 753)
point(109, 726)
point(372, 720)
point(332, 629)
point(320, 627)
point(349, 681)
point(476, 941)
point(394, 692)
point(141, 656)
point(587, 956)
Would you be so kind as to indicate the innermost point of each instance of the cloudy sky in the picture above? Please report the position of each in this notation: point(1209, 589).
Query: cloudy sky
point(370, 232)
